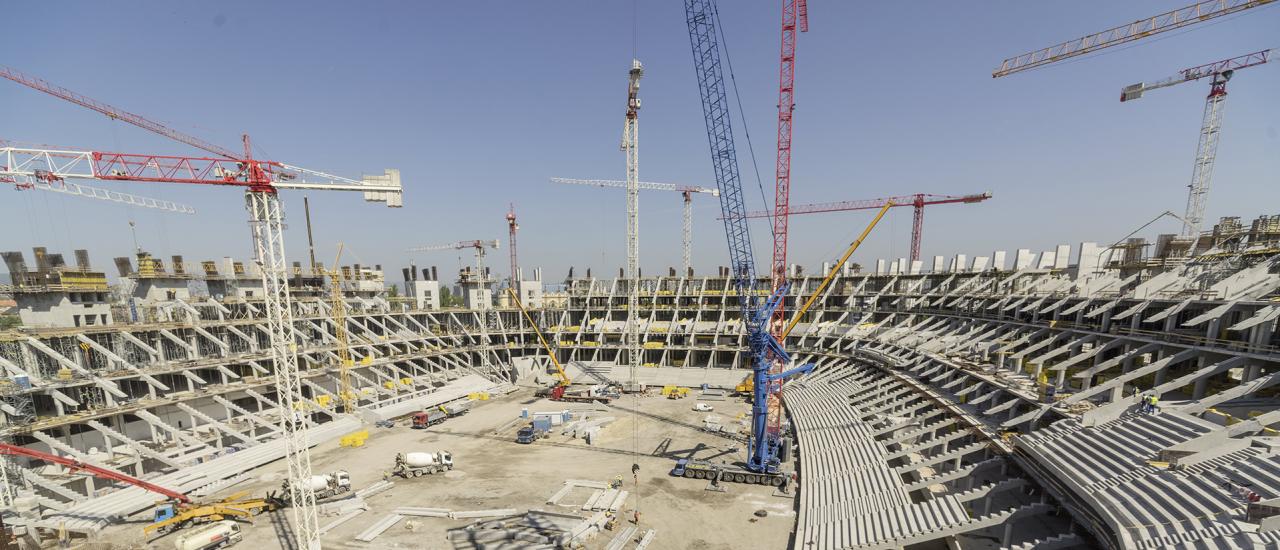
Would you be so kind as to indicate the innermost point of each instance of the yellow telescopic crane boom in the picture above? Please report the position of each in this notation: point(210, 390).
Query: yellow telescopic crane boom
point(836, 269)
point(564, 377)
point(339, 305)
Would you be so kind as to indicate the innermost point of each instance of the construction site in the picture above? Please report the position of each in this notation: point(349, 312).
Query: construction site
point(1119, 394)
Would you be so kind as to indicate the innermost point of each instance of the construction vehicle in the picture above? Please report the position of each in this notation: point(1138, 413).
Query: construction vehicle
point(603, 393)
point(533, 431)
point(744, 387)
point(260, 181)
point(177, 511)
point(457, 408)
point(717, 472)
point(326, 485)
point(770, 363)
point(675, 392)
point(560, 390)
point(429, 417)
point(436, 415)
point(218, 535)
point(170, 516)
point(419, 463)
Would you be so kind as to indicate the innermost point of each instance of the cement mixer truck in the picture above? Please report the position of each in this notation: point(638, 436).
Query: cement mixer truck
point(218, 535)
point(420, 464)
point(326, 485)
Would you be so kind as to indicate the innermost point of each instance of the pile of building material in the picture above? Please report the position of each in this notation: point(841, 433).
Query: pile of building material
point(342, 519)
point(585, 530)
point(586, 429)
point(647, 539)
point(375, 488)
point(376, 529)
point(343, 506)
point(570, 485)
point(711, 395)
point(610, 500)
point(623, 537)
point(535, 529)
point(453, 514)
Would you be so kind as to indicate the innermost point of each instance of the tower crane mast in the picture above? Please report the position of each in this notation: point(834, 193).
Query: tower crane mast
point(512, 227)
point(631, 146)
point(1210, 126)
point(795, 19)
point(261, 181)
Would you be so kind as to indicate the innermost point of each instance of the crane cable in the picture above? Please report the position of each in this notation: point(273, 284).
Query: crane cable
point(633, 316)
point(733, 80)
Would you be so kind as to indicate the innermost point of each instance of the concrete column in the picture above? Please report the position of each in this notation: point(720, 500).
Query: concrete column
point(1202, 384)
point(1163, 372)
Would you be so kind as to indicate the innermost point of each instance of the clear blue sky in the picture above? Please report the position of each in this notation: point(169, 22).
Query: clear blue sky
point(478, 103)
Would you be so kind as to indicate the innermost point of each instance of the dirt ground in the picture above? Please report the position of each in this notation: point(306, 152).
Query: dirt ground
point(492, 471)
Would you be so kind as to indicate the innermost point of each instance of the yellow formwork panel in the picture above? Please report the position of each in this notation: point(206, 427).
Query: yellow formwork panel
point(355, 439)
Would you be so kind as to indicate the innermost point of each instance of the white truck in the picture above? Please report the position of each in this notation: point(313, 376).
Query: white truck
point(326, 485)
point(419, 464)
point(218, 535)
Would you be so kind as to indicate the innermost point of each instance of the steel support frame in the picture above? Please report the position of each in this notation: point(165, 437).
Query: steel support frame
point(267, 222)
point(1206, 153)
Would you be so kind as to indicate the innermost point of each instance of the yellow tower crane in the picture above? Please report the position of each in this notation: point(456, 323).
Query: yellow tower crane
point(339, 305)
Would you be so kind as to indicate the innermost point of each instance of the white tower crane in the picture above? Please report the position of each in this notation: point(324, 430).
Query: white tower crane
point(46, 181)
point(686, 191)
point(483, 299)
point(631, 146)
point(1210, 127)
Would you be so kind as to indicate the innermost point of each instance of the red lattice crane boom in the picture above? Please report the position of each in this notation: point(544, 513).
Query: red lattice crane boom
point(96, 471)
point(918, 201)
point(112, 112)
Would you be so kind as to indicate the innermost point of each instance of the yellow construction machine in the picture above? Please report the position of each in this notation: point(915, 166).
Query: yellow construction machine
point(171, 516)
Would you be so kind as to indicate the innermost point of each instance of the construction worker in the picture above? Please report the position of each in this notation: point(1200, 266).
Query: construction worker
point(617, 482)
point(1155, 403)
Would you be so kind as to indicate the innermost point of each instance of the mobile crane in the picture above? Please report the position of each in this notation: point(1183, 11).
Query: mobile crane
point(768, 357)
point(176, 511)
point(560, 390)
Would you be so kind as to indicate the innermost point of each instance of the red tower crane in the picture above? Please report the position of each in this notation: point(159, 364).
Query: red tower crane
point(512, 227)
point(795, 18)
point(260, 181)
point(917, 201)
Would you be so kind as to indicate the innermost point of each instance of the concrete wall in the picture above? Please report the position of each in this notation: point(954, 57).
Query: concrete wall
point(58, 309)
point(425, 294)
